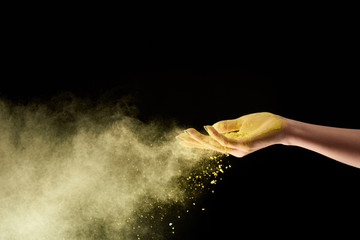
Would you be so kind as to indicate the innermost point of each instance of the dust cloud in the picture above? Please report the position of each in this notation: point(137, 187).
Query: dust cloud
point(75, 170)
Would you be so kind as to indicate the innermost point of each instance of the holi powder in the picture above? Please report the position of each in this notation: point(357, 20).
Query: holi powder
point(257, 124)
point(235, 134)
point(71, 171)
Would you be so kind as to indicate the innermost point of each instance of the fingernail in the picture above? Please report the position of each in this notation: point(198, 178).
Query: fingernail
point(187, 132)
point(206, 128)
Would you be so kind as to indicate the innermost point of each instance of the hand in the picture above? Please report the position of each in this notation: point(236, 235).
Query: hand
point(240, 136)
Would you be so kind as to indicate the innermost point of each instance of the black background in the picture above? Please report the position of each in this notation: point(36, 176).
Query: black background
point(200, 72)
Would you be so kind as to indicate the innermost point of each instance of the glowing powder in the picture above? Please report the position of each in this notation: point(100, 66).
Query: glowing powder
point(235, 134)
point(97, 173)
point(257, 124)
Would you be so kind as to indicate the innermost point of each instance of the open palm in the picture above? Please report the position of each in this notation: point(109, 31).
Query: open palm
point(239, 136)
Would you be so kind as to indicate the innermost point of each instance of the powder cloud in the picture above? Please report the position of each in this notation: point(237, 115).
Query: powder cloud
point(74, 171)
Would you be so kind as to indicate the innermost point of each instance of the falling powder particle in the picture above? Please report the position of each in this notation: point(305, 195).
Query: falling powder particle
point(89, 169)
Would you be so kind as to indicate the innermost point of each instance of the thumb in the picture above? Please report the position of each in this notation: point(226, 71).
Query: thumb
point(228, 125)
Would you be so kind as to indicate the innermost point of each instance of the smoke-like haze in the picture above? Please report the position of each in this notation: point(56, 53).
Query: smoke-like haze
point(74, 171)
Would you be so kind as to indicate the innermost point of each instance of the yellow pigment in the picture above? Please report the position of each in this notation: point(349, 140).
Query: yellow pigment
point(97, 175)
point(257, 124)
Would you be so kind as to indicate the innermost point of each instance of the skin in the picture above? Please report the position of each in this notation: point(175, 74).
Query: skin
point(249, 133)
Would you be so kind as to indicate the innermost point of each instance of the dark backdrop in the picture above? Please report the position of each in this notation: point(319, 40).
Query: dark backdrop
point(201, 74)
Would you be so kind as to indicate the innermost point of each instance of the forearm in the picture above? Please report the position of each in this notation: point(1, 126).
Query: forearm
point(340, 144)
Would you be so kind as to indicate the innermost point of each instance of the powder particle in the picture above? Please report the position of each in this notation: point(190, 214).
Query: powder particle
point(257, 124)
point(96, 171)
point(92, 171)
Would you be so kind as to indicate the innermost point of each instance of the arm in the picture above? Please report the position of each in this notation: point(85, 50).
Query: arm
point(340, 144)
point(252, 132)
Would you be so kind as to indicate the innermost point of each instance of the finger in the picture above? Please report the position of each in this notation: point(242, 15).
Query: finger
point(193, 145)
point(198, 137)
point(224, 141)
point(186, 137)
point(203, 139)
point(228, 125)
point(206, 140)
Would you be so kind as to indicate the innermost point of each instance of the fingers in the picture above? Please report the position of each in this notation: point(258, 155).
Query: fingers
point(188, 141)
point(193, 145)
point(224, 141)
point(215, 141)
point(228, 125)
point(203, 139)
point(207, 141)
point(187, 138)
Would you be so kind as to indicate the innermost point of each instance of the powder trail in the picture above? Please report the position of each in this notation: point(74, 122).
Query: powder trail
point(70, 173)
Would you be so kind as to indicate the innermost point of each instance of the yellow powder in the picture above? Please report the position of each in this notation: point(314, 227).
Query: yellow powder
point(257, 124)
point(235, 134)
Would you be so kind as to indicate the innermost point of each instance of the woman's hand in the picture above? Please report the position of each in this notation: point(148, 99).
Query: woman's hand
point(240, 136)
point(252, 132)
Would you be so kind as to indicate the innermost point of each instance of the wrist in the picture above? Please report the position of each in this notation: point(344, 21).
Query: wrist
point(288, 132)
